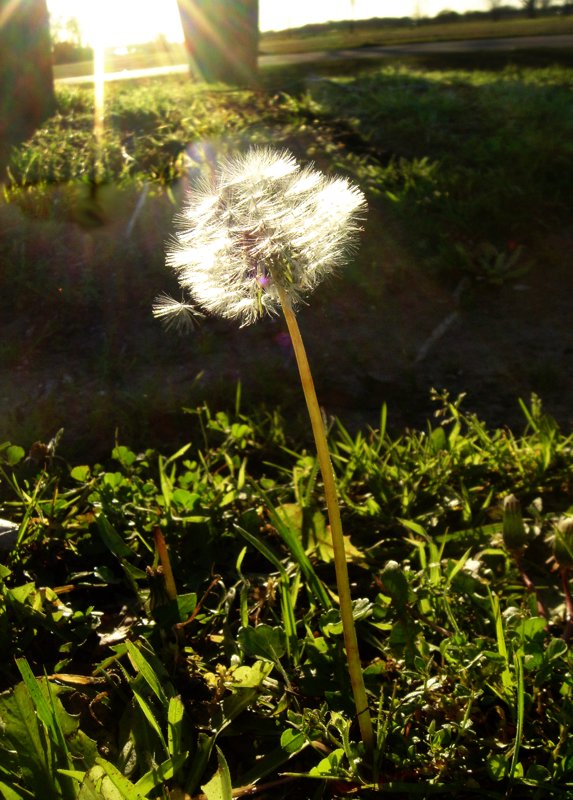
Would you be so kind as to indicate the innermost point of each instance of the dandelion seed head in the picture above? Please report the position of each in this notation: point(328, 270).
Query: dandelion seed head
point(263, 224)
point(256, 166)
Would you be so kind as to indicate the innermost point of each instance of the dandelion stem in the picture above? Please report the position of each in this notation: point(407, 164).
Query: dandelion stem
point(342, 579)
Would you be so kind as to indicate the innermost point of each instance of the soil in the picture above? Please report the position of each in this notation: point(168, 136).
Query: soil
point(82, 351)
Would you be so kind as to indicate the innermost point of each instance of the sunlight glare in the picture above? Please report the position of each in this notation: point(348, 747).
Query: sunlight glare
point(98, 30)
point(128, 22)
point(122, 22)
point(7, 11)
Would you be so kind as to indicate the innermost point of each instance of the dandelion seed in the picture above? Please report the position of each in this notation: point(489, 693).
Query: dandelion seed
point(179, 316)
point(264, 225)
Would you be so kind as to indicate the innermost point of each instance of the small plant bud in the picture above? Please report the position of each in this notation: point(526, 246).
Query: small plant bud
point(563, 543)
point(395, 582)
point(514, 534)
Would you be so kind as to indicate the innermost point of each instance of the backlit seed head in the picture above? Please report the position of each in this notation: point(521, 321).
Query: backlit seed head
point(514, 533)
point(178, 315)
point(262, 224)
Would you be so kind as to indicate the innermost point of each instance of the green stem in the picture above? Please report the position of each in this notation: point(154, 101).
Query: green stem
point(342, 580)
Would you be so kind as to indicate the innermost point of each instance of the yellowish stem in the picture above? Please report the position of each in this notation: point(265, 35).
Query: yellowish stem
point(165, 561)
point(342, 580)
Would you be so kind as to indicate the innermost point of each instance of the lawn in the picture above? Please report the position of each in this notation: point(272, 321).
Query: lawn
point(365, 34)
point(460, 614)
point(231, 680)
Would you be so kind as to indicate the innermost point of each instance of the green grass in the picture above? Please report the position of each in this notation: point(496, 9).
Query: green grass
point(482, 155)
point(109, 688)
point(468, 154)
point(241, 677)
point(148, 125)
point(339, 37)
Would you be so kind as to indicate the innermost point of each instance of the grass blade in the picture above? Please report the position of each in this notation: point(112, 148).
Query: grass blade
point(287, 604)
point(126, 788)
point(47, 714)
point(220, 786)
point(520, 692)
point(506, 678)
point(295, 547)
point(160, 774)
point(175, 715)
point(148, 673)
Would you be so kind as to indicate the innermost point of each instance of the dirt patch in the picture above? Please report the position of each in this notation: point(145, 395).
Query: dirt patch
point(495, 343)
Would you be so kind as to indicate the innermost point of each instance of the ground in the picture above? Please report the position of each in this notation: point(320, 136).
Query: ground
point(81, 351)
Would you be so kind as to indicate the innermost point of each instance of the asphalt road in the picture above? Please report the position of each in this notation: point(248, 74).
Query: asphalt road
point(317, 56)
point(389, 51)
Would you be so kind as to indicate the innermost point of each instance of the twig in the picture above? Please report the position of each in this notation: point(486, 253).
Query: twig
point(199, 605)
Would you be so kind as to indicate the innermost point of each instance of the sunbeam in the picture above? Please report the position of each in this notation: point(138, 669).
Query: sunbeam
point(7, 11)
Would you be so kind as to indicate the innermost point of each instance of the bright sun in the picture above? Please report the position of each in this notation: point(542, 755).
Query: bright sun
point(121, 22)
point(124, 22)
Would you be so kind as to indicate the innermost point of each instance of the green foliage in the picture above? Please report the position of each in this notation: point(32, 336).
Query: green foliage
point(478, 155)
point(148, 130)
point(563, 543)
point(467, 153)
point(42, 744)
point(466, 658)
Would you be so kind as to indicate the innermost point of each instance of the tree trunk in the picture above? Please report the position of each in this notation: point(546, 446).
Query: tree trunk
point(26, 76)
point(222, 38)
